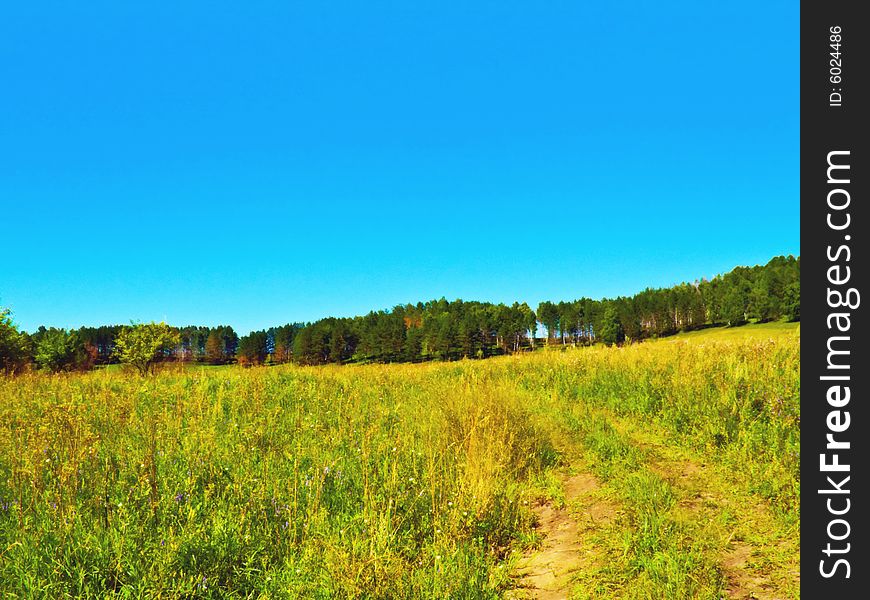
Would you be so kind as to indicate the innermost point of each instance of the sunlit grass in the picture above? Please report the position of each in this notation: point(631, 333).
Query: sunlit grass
point(757, 331)
point(380, 481)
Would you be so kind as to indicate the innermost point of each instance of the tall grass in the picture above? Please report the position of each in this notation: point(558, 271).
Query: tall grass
point(737, 403)
point(401, 481)
point(334, 482)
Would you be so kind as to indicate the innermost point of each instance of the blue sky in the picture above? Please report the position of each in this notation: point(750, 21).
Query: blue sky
point(263, 162)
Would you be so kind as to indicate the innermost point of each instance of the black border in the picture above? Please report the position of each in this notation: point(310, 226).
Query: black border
point(826, 128)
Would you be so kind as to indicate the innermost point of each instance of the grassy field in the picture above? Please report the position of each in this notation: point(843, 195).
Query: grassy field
point(757, 331)
point(409, 481)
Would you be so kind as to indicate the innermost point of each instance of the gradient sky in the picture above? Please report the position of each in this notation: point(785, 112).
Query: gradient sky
point(263, 162)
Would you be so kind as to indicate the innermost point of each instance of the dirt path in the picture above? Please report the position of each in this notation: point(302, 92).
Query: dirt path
point(547, 573)
point(750, 566)
point(738, 542)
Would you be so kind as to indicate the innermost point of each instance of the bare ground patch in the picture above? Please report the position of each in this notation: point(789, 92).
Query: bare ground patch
point(743, 584)
point(546, 573)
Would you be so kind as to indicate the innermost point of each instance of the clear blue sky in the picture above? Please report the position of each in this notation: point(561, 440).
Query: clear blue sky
point(263, 162)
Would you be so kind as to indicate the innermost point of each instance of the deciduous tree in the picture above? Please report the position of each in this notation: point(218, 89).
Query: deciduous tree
point(143, 345)
point(57, 350)
point(15, 346)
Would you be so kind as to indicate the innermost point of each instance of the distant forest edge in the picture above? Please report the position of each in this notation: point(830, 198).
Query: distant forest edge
point(434, 330)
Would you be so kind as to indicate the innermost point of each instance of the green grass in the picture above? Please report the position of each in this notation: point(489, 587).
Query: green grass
point(394, 481)
point(759, 331)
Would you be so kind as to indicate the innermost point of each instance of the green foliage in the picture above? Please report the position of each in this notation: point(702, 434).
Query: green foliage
point(548, 315)
point(792, 301)
point(734, 306)
point(15, 346)
point(143, 345)
point(282, 340)
point(220, 345)
point(57, 349)
point(99, 342)
point(611, 329)
point(451, 330)
point(253, 348)
point(215, 349)
point(311, 346)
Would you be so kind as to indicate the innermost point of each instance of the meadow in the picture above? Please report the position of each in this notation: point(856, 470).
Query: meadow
point(413, 480)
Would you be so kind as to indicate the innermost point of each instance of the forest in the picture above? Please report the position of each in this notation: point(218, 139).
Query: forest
point(435, 330)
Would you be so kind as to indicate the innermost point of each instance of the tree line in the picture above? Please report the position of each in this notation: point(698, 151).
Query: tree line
point(434, 330)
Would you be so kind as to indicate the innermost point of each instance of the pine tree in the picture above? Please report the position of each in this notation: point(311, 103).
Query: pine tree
point(215, 352)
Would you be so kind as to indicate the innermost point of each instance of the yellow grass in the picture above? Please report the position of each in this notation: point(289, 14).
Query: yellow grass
point(380, 481)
